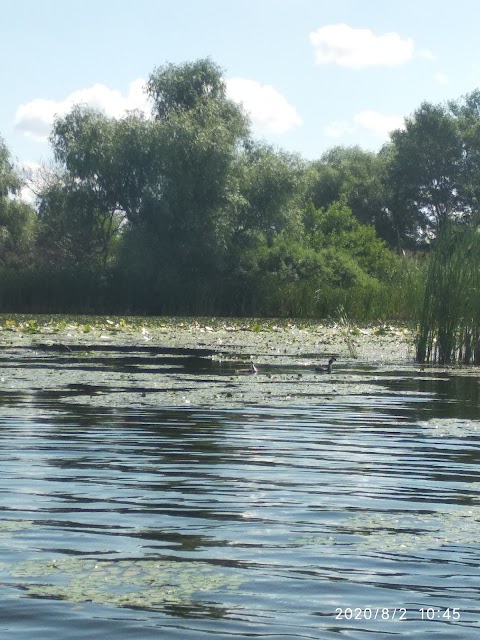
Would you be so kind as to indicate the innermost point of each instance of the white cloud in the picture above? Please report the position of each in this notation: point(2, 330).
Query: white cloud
point(35, 118)
point(377, 123)
point(268, 109)
point(369, 121)
point(358, 48)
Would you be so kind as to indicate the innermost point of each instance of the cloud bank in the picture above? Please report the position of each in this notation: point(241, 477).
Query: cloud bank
point(269, 110)
point(345, 46)
point(35, 118)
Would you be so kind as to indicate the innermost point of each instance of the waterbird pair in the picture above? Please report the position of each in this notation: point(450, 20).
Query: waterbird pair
point(320, 369)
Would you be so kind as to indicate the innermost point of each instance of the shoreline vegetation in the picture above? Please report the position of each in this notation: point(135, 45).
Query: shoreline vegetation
point(184, 213)
point(152, 362)
point(243, 336)
point(85, 363)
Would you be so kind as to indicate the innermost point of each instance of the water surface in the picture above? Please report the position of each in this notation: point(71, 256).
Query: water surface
point(355, 516)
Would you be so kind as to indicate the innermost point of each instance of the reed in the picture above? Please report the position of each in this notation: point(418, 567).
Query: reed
point(347, 331)
point(449, 326)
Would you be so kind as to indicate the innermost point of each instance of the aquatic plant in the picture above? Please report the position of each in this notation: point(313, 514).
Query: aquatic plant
point(449, 326)
point(414, 531)
point(141, 583)
point(347, 331)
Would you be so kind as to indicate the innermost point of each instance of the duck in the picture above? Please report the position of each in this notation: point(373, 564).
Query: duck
point(328, 368)
point(252, 369)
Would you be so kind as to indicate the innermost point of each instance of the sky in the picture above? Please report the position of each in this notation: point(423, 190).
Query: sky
point(313, 74)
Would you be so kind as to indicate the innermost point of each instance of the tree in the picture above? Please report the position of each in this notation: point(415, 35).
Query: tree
point(189, 87)
point(113, 160)
point(269, 194)
point(17, 219)
point(356, 177)
point(467, 115)
point(104, 175)
point(74, 228)
point(199, 131)
point(163, 182)
point(426, 164)
point(9, 181)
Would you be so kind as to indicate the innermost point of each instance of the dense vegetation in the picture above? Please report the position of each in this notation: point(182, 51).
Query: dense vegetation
point(185, 212)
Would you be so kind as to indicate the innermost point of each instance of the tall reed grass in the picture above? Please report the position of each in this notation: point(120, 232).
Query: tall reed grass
point(449, 326)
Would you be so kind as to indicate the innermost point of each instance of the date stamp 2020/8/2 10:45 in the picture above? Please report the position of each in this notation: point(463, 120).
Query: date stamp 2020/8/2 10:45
point(397, 613)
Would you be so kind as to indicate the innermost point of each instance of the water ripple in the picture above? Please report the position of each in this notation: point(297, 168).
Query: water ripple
point(359, 518)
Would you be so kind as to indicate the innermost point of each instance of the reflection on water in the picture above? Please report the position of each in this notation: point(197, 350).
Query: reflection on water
point(356, 518)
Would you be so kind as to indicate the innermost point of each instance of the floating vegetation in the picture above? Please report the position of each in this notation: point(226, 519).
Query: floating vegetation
point(451, 427)
point(9, 528)
point(416, 531)
point(139, 361)
point(147, 584)
point(63, 324)
point(38, 324)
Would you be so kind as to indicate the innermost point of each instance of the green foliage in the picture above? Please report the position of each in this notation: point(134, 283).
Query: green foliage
point(74, 229)
point(17, 219)
point(356, 177)
point(336, 261)
point(189, 87)
point(336, 228)
point(9, 180)
point(18, 227)
point(433, 167)
point(425, 166)
point(269, 192)
point(185, 213)
point(449, 327)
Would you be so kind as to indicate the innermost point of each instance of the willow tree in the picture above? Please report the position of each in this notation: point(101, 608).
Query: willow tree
point(167, 177)
point(199, 131)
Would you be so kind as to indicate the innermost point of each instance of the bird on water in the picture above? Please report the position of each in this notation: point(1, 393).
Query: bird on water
point(328, 368)
point(252, 369)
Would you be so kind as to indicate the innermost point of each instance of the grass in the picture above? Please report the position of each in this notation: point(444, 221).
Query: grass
point(449, 326)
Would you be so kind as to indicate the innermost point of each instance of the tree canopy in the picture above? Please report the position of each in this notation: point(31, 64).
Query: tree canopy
point(17, 219)
point(183, 209)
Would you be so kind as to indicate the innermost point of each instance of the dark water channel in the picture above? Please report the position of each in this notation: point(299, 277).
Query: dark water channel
point(355, 519)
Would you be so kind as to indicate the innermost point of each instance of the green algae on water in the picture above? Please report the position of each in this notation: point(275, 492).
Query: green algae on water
point(146, 584)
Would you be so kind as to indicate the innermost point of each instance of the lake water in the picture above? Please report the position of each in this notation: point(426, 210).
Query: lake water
point(358, 518)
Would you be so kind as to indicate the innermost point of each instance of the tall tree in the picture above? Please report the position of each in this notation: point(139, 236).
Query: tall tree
point(466, 111)
point(426, 163)
point(170, 176)
point(198, 132)
point(74, 228)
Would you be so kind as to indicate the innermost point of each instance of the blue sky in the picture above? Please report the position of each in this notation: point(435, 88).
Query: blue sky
point(312, 73)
